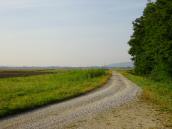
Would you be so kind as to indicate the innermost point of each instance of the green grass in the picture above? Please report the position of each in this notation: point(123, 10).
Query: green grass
point(22, 93)
point(158, 92)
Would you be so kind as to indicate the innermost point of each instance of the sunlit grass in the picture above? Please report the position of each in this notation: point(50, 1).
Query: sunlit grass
point(158, 92)
point(22, 93)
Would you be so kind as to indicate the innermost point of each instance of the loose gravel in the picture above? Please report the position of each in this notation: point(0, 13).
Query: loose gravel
point(116, 92)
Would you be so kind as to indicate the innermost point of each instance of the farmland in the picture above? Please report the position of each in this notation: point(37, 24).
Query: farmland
point(21, 90)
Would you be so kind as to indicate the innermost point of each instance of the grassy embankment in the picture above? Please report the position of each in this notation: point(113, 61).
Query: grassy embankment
point(23, 90)
point(158, 92)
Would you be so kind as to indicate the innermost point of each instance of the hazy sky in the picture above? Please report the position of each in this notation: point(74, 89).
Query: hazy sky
point(66, 32)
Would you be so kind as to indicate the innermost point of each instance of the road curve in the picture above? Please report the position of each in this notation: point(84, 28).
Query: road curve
point(116, 92)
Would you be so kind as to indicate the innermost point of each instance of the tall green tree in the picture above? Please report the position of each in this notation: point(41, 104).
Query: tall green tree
point(151, 42)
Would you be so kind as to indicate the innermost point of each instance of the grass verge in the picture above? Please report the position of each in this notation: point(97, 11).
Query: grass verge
point(158, 92)
point(18, 94)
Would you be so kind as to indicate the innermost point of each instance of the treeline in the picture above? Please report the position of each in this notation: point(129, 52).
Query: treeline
point(151, 42)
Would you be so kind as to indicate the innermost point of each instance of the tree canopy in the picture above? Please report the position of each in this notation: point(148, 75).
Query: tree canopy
point(151, 42)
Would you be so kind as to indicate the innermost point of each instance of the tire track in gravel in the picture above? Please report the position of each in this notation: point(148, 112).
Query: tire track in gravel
point(116, 92)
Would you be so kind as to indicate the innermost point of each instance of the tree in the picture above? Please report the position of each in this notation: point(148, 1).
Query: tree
point(151, 42)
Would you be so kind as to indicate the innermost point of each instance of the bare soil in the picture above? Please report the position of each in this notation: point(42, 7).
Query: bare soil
point(134, 115)
point(21, 73)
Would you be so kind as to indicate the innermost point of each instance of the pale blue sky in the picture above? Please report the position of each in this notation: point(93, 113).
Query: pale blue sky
point(66, 32)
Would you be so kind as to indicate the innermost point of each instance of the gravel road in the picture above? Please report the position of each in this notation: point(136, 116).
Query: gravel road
point(116, 92)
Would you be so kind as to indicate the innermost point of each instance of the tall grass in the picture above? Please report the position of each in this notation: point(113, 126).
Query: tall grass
point(21, 93)
point(158, 92)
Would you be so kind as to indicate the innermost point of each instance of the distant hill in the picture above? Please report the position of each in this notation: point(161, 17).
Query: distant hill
point(28, 67)
point(120, 65)
point(115, 65)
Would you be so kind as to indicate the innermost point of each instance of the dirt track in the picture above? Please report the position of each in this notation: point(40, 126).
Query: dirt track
point(136, 114)
point(116, 92)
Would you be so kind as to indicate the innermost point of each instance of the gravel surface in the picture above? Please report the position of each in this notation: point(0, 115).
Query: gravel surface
point(137, 114)
point(116, 92)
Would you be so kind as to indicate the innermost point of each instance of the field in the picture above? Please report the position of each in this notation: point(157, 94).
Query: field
point(21, 90)
point(157, 92)
point(22, 73)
